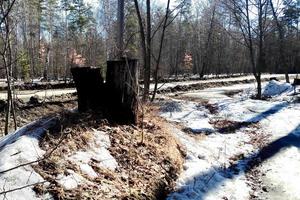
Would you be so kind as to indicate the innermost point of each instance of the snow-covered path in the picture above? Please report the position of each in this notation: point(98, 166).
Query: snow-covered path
point(217, 163)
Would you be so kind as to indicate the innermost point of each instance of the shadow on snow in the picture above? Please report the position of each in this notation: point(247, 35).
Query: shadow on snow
point(216, 176)
point(234, 126)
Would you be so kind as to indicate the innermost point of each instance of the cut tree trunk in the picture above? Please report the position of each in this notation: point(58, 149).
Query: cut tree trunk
point(90, 88)
point(123, 89)
point(117, 98)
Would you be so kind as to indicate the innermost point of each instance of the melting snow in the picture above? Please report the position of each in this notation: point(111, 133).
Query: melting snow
point(192, 115)
point(206, 174)
point(19, 148)
point(98, 151)
point(23, 147)
point(70, 181)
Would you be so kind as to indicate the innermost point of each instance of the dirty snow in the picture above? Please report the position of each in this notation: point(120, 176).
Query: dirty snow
point(98, 151)
point(207, 174)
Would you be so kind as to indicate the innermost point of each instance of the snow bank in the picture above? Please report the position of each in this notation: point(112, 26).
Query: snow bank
point(23, 147)
point(275, 88)
point(19, 148)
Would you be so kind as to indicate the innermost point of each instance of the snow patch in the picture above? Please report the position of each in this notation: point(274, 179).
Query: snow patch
point(70, 181)
point(98, 151)
point(275, 88)
point(192, 115)
point(205, 175)
point(18, 148)
point(206, 172)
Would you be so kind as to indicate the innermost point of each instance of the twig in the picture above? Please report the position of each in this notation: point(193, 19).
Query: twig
point(20, 188)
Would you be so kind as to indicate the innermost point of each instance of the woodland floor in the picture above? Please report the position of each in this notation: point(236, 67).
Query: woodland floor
point(145, 170)
point(214, 143)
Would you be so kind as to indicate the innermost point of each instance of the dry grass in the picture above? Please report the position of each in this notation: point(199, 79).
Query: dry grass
point(146, 170)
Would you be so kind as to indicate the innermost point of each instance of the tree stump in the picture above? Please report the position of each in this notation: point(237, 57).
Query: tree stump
point(123, 89)
point(90, 87)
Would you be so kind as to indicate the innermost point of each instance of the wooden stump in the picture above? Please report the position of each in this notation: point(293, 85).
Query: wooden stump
point(90, 85)
point(123, 89)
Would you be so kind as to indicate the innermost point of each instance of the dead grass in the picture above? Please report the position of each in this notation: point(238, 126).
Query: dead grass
point(146, 170)
point(228, 126)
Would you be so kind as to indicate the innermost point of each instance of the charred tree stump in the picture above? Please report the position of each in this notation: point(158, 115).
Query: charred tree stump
point(89, 85)
point(122, 86)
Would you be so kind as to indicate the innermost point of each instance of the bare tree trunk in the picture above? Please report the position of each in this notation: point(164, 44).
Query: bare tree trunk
point(67, 48)
point(144, 48)
point(282, 60)
point(7, 61)
point(160, 50)
point(46, 67)
point(121, 27)
point(148, 57)
point(11, 89)
point(207, 44)
point(7, 115)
